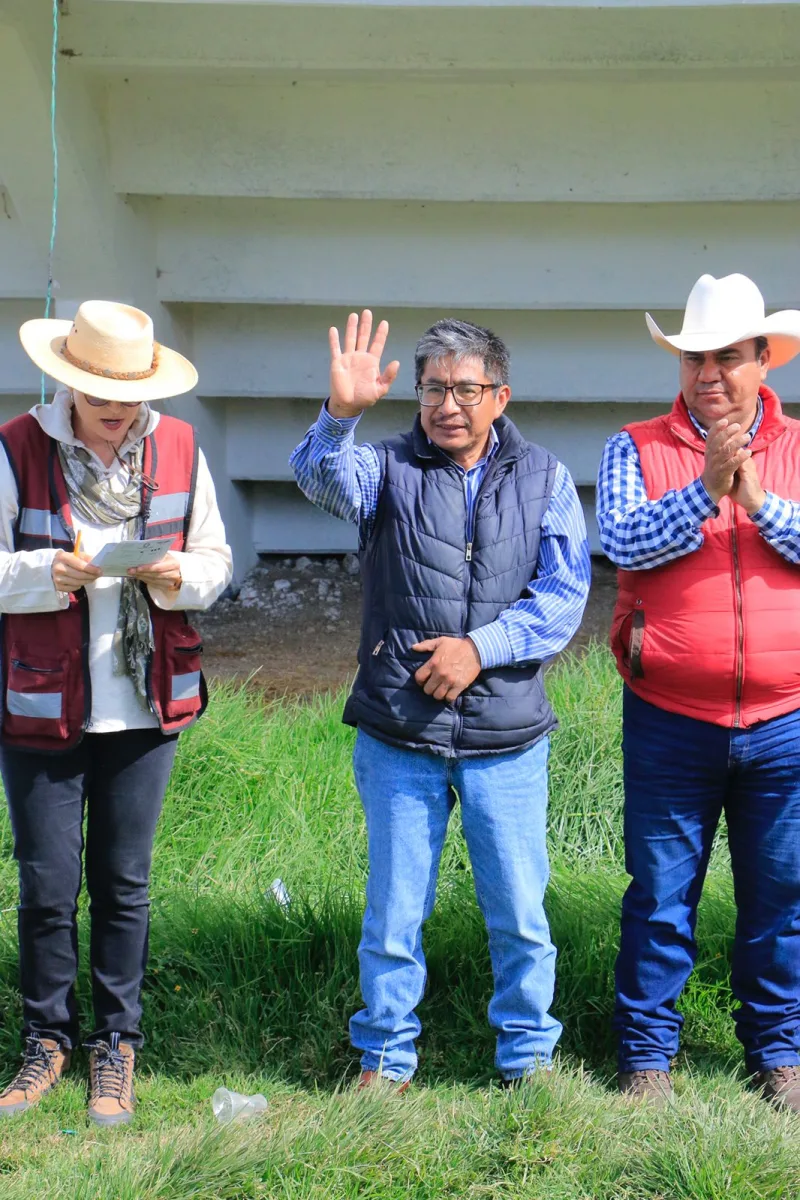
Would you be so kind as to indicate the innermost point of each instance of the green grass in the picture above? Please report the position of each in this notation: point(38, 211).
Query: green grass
point(241, 992)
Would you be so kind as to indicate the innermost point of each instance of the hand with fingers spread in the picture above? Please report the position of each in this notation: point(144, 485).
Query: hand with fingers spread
point(71, 572)
point(453, 665)
point(726, 451)
point(357, 381)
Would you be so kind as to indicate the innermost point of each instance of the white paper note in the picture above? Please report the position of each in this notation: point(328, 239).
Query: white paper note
point(118, 557)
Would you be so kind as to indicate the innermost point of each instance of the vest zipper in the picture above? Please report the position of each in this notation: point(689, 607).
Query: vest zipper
point(737, 578)
point(469, 525)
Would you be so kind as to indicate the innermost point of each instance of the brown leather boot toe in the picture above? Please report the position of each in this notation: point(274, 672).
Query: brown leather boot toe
point(111, 1079)
point(781, 1086)
point(654, 1087)
point(43, 1063)
point(371, 1079)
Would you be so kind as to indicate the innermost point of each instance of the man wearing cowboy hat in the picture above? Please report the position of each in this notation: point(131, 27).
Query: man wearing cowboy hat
point(700, 511)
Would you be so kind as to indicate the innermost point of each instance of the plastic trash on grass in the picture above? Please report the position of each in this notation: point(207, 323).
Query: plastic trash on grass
point(233, 1106)
point(277, 891)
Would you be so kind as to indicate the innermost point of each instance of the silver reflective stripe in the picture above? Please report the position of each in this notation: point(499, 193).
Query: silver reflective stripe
point(186, 687)
point(40, 522)
point(164, 528)
point(169, 507)
point(39, 705)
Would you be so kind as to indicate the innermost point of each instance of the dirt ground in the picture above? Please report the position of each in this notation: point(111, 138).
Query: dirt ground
point(293, 628)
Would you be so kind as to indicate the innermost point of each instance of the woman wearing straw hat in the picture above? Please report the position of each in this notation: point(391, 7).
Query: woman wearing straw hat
point(100, 673)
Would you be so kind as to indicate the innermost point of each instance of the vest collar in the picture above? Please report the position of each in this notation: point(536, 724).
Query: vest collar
point(772, 424)
point(511, 444)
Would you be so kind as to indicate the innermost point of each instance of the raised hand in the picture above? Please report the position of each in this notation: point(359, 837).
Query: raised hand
point(357, 381)
point(726, 450)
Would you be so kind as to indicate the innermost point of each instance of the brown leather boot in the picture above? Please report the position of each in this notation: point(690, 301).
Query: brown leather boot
point(112, 1100)
point(781, 1086)
point(43, 1063)
point(655, 1087)
point(371, 1079)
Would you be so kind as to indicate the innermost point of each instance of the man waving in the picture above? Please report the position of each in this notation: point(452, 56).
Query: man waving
point(475, 568)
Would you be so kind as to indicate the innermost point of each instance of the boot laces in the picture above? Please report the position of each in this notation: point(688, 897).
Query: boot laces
point(788, 1074)
point(646, 1075)
point(37, 1067)
point(110, 1070)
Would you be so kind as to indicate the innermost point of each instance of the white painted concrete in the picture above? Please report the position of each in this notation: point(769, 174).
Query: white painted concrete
point(430, 38)
point(466, 255)
point(611, 142)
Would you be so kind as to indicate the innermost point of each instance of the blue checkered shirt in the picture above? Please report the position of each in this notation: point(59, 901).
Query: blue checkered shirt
point(346, 480)
point(637, 533)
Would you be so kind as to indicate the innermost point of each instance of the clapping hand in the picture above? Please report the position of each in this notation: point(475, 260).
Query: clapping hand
point(726, 451)
point(357, 381)
point(730, 469)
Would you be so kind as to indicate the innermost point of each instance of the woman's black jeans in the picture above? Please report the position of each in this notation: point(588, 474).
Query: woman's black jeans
point(118, 781)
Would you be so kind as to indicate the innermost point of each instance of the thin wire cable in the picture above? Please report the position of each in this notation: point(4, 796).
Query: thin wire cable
point(54, 143)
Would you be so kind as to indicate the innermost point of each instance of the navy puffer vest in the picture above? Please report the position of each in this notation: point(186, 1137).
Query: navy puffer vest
point(422, 580)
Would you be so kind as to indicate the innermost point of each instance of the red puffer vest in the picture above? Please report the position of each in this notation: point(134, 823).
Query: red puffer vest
point(46, 682)
point(714, 635)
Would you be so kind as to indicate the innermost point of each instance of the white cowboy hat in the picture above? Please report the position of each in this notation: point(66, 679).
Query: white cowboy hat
point(108, 351)
point(720, 312)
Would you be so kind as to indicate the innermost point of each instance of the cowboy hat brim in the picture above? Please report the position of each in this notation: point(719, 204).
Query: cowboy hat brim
point(782, 330)
point(43, 341)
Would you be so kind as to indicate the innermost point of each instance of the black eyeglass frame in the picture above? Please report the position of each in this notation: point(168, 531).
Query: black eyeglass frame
point(451, 387)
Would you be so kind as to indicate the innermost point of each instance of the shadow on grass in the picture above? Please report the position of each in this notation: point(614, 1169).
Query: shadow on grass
point(238, 986)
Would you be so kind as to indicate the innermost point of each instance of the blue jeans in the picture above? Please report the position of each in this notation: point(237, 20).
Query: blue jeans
point(407, 797)
point(680, 775)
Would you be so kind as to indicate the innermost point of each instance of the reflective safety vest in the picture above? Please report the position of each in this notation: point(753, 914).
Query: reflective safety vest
point(47, 695)
point(715, 634)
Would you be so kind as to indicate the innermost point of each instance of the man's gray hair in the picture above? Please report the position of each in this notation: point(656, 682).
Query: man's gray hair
point(451, 338)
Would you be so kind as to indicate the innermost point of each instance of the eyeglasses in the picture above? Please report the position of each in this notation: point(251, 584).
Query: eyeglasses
point(431, 395)
point(136, 476)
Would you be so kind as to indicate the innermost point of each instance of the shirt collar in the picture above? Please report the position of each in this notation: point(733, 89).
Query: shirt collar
point(752, 431)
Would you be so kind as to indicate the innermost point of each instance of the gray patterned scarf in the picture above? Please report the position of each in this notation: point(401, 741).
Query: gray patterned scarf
point(92, 497)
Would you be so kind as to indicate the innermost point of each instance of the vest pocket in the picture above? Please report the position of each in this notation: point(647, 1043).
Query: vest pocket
point(36, 690)
point(182, 676)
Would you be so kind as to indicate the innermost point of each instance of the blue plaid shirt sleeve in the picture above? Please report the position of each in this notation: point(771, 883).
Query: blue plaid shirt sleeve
point(539, 625)
point(337, 475)
point(637, 533)
point(778, 522)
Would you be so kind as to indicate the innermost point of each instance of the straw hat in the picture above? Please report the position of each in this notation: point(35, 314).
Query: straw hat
point(108, 351)
point(720, 312)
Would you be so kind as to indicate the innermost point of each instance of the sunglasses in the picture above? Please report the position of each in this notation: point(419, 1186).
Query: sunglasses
point(105, 403)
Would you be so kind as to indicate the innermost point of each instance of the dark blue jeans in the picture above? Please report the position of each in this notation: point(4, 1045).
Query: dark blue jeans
point(680, 775)
point(117, 780)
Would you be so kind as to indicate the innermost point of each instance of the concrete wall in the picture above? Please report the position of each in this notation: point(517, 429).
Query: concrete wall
point(249, 172)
